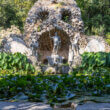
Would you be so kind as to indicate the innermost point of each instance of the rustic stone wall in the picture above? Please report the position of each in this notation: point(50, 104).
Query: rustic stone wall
point(93, 44)
point(97, 43)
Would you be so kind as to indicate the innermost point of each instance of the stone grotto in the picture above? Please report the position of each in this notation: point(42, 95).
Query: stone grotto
point(47, 17)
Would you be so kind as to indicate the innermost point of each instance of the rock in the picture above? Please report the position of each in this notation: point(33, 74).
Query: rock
point(11, 41)
point(67, 97)
point(15, 44)
point(64, 69)
point(53, 1)
point(38, 69)
point(20, 97)
point(93, 44)
point(77, 61)
point(55, 60)
point(96, 44)
point(73, 106)
point(67, 106)
point(50, 70)
point(10, 31)
point(94, 106)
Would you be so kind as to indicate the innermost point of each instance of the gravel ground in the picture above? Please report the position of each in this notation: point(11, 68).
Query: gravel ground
point(41, 106)
point(94, 106)
point(23, 106)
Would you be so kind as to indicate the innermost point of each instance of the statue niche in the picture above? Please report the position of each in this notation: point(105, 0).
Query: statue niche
point(56, 44)
point(55, 59)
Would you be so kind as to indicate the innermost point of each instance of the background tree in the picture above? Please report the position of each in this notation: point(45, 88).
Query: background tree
point(95, 14)
point(14, 12)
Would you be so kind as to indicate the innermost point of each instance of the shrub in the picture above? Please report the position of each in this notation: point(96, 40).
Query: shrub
point(94, 60)
point(94, 63)
point(53, 88)
point(15, 62)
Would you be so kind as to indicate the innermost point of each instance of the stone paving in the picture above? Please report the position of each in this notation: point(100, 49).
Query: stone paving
point(41, 106)
point(23, 106)
point(94, 106)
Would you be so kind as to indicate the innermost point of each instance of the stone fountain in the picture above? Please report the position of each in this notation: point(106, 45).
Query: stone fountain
point(60, 19)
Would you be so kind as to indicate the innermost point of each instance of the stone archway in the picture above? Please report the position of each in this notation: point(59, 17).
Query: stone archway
point(46, 44)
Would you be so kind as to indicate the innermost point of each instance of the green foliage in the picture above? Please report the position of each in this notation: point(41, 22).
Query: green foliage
point(108, 38)
point(38, 28)
point(94, 63)
point(95, 14)
point(8, 15)
point(53, 88)
point(15, 62)
point(66, 19)
point(93, 78)
point(14, 12)
point(91, 61)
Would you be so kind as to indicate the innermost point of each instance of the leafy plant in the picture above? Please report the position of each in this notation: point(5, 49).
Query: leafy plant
point(93, 60)
point(15, 62)
point(53, 88)
point(94, 63)
point(66, 19)
point(38, 28)
point(108, 38)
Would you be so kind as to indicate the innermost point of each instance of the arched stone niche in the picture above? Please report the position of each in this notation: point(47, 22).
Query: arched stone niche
point(46, 45)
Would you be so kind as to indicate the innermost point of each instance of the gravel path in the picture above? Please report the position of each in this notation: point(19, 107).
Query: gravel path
point(41, 106)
